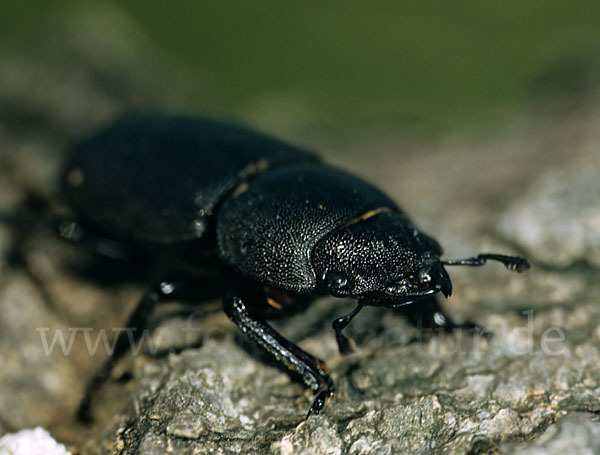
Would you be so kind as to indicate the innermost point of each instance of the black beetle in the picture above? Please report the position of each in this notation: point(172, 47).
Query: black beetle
point(278, 224)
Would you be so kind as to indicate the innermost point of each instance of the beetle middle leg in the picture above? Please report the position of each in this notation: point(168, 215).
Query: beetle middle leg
point(239, 308)
point(165, 291)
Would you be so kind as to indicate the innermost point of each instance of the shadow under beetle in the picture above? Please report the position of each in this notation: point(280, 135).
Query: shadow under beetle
point(279, 226)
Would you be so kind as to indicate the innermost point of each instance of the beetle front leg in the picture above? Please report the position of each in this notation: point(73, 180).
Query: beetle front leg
point(428, 315)
point(311, 369)
point(339, 324)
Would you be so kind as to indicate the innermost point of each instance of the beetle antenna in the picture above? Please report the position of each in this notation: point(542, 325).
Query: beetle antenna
point(512, 263)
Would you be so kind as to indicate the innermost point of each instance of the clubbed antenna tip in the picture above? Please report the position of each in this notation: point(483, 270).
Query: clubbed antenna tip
point(512, 263)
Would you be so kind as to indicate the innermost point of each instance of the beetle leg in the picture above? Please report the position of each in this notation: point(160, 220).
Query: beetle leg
point(427, 314)
point(37, 212)
point(339, 324)
point(74, 232)
point(165, 291)
point(311, 369)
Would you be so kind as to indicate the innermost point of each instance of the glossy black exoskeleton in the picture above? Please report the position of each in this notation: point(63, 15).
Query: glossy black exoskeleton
point(282, 227)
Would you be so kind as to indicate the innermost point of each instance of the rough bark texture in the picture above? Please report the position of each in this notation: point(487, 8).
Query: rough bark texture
point(530, 388)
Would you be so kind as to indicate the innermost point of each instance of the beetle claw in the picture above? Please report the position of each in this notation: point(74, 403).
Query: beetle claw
point(319, 402)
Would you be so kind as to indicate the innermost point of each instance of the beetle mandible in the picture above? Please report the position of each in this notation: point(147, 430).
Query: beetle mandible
point(280, 226)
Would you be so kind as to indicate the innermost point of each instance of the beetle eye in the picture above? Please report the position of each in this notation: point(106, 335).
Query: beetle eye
point(336, 282)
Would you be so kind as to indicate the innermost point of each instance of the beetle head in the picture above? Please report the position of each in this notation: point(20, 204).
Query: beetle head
point(382, 260)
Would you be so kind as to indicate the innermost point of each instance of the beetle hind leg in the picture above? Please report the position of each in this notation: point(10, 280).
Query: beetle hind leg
point(311, 369)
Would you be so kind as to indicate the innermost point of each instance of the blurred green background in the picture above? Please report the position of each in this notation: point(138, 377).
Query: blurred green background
point(347, 64)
